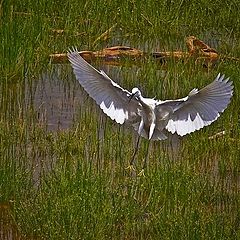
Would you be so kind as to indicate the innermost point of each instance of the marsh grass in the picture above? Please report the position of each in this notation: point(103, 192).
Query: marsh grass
point(72, 183)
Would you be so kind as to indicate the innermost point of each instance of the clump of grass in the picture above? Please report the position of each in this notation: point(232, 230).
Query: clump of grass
point(73, 184)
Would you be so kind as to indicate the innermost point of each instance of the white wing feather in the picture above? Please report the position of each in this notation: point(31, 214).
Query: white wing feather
point(199, 108)
point(112, 99)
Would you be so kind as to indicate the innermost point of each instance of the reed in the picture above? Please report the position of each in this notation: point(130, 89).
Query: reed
point(63, 163)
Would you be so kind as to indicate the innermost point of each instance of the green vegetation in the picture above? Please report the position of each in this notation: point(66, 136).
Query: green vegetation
point(73, 183)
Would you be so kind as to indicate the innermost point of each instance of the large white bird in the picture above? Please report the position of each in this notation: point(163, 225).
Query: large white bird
point(149, 117)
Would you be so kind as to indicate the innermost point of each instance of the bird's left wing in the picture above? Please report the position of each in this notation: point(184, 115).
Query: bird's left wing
point(199, 108)
point(112, 99)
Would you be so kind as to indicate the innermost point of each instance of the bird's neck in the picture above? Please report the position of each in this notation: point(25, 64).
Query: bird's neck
point(148, 117)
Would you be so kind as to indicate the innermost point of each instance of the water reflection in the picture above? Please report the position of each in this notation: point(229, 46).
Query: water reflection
point(58, 97)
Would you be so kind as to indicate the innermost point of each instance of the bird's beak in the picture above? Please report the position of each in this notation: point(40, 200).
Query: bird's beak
point(131, 97)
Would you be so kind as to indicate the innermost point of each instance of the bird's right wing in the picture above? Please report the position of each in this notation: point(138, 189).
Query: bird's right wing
point(112, 99)
point(199, 108)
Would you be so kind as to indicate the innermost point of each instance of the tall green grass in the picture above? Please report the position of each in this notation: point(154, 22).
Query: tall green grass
point(73, 183)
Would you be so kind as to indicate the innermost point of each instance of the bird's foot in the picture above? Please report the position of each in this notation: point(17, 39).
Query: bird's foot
point(141, 173)
point(131, 168)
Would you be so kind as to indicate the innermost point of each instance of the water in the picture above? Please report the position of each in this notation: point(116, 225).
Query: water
point(57, 99)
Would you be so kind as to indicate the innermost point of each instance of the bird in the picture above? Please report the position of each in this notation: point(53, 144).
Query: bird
point(151, 118)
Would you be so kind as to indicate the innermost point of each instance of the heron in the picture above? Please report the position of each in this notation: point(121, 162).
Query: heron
point(151, 118)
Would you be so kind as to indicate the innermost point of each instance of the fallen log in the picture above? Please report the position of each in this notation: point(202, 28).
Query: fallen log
point(197, 50)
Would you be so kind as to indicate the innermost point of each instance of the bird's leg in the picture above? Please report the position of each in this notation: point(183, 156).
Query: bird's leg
point(135, 151)
point(131, 166)
point(145, 160)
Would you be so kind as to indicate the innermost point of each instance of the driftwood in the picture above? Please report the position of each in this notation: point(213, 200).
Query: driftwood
point(197, 50)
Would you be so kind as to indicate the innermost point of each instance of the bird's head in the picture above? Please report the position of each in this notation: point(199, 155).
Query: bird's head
point(135, 93)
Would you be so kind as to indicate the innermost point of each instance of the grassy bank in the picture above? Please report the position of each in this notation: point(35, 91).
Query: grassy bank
point(72, 183)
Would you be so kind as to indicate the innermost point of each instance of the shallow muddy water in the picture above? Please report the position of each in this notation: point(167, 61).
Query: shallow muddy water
point(57, 100)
